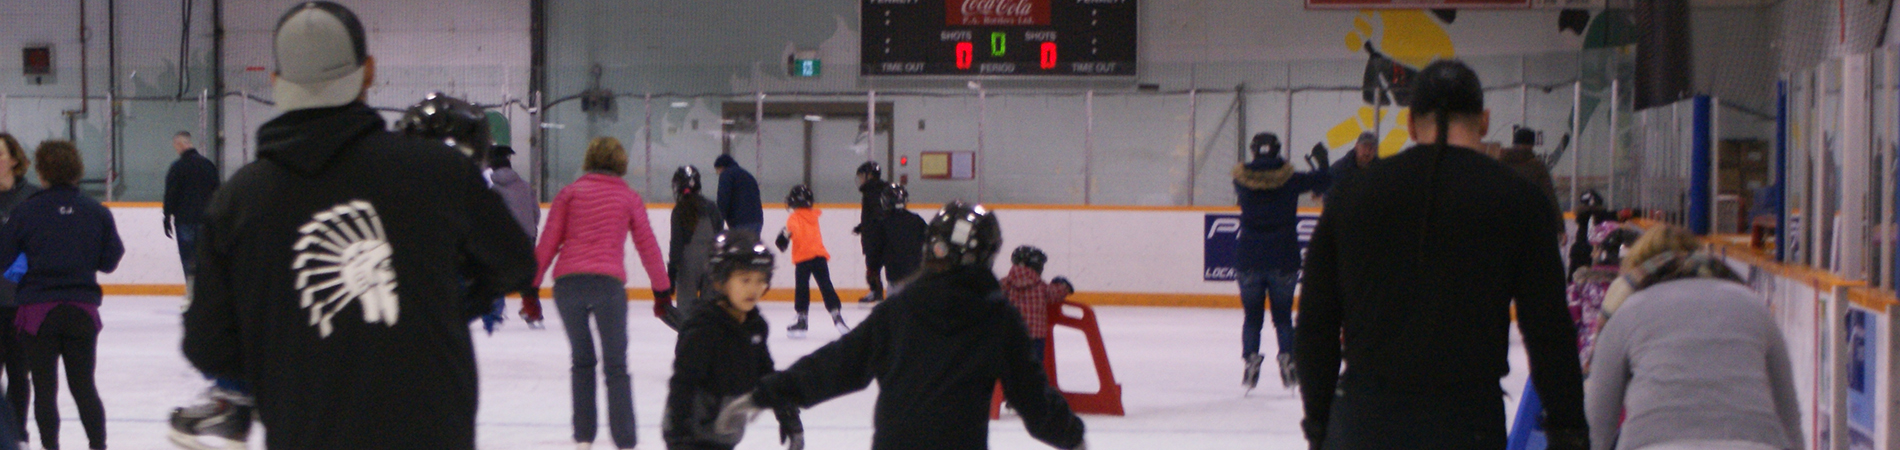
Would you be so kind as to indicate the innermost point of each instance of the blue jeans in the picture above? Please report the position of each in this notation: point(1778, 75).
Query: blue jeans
point(186, 234)
point(1257, 287)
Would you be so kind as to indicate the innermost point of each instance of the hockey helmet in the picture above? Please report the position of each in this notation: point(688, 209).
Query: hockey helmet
point(962, 235)
point(800, 197)
point(454, 122)
point(1030, 257)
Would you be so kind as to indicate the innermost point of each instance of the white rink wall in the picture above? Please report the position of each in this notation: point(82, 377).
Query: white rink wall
point(1114, 251)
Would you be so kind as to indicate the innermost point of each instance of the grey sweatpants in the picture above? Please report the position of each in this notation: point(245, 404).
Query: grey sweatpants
point(604, 298)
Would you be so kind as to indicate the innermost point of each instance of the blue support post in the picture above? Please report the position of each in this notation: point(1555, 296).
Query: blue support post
point(1780, 188)
point(1701, 169)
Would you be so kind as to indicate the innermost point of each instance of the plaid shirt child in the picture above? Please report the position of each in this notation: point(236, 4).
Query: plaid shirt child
point(1032, 297)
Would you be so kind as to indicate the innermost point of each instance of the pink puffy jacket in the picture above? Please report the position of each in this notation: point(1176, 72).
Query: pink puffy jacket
point(588, 226)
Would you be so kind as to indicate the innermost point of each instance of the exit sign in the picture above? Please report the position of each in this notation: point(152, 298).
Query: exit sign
point(804, 64)
point(806, 68)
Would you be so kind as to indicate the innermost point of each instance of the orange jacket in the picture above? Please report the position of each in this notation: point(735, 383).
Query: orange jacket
point(807, 243)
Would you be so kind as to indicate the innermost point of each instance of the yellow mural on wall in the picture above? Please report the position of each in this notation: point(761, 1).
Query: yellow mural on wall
point(1409, 38)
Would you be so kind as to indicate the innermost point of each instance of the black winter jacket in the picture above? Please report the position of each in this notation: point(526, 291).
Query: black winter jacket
point(188, 187)
point(68, 238)
point(1420, 272)
point(937, 350)
point(715, 360)
point(871, 221)
point(903, 243)
point(337, 276)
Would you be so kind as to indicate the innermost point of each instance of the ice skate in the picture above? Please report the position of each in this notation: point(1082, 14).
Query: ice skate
point(867, 302)
point(1250, 377)
point(225, 419)
point(838, 320)
point(797, 330)
point(1288, 377)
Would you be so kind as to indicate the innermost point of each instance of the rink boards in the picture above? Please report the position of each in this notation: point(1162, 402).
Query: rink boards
point(1138, 256)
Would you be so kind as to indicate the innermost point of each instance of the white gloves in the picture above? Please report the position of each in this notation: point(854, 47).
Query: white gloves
point(730, 425)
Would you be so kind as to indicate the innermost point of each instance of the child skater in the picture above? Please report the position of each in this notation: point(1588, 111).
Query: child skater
point(721, 352)
point(1031, 296)
point(808, 254)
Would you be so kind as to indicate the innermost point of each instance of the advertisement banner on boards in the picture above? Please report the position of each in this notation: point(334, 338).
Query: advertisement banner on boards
point(1863, 377)
point(1220, 237)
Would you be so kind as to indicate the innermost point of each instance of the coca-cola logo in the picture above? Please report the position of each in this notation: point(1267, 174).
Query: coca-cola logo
point(1016, 8)
point(997, 12)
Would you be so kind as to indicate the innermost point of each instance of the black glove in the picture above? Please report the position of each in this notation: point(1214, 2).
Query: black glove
point(791, 430)
point(857, 230)
point(168, 227)
point(784, 239)
point(1320, 158)
point(1567, 438)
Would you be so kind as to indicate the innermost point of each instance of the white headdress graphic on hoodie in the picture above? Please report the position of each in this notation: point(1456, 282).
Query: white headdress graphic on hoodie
point(343, 258)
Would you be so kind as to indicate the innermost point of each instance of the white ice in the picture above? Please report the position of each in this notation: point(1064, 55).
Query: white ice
point(1179, 369)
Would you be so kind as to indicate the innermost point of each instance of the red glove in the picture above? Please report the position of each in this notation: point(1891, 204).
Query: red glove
point(662, 302)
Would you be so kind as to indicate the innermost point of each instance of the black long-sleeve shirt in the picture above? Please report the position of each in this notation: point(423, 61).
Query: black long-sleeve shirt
point(1420, 273)
point(188, 187)
point(937, 350)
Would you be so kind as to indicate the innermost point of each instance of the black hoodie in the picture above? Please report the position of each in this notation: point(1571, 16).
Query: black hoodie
point(716, 359)
point(337, 275)
point(937, 350)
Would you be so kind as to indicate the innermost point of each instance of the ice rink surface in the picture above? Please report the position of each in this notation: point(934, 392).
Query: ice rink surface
point(1179, 369)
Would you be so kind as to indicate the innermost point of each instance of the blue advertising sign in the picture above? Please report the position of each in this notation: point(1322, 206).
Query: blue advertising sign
point(1862, 370)
point(1220, 236)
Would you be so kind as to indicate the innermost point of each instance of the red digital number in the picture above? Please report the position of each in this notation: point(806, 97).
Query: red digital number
point(1048, 55)
point(965, 54)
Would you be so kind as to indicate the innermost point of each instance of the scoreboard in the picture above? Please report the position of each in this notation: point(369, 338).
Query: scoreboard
point(998, 37)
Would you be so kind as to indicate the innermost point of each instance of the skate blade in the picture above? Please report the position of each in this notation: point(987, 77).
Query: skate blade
point(191, 442)
point(795, 334)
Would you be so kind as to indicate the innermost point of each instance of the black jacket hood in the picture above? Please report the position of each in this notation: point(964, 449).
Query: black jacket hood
point(944, 296)
point(305, 141)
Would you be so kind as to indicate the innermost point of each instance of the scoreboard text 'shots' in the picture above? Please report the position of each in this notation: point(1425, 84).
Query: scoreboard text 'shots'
point(999, 37)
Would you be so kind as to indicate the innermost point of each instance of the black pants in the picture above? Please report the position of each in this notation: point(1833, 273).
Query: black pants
point(67, 334)
point(1372, 418)
point(13, 360)
point(874, 277)
point(821, 269)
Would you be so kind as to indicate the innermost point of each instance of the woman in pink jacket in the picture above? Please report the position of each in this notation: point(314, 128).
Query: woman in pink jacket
point(588, 227)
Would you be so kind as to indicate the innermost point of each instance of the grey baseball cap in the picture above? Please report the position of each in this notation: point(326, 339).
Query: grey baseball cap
point(320, 57)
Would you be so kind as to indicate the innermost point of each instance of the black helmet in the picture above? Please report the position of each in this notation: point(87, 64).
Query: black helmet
point(1590, 198)
point(800, 197)
point(1265, 144)
point(451, 120)
point(963, 235)
point(734, 250)
point(871, 168)
point(894, 198)
point(1030, 257)
point(1064, 282)
point(685, 181)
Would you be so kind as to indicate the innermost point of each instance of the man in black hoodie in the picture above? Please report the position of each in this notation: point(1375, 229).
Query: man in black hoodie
point(937, 350)
point(338, 274)
point(1418, 262)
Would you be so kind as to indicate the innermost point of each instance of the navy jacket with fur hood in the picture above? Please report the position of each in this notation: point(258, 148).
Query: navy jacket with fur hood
point(1269, 193)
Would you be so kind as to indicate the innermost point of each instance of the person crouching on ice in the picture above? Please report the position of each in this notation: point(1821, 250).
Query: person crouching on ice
point(937, 349)
point(721, 352)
